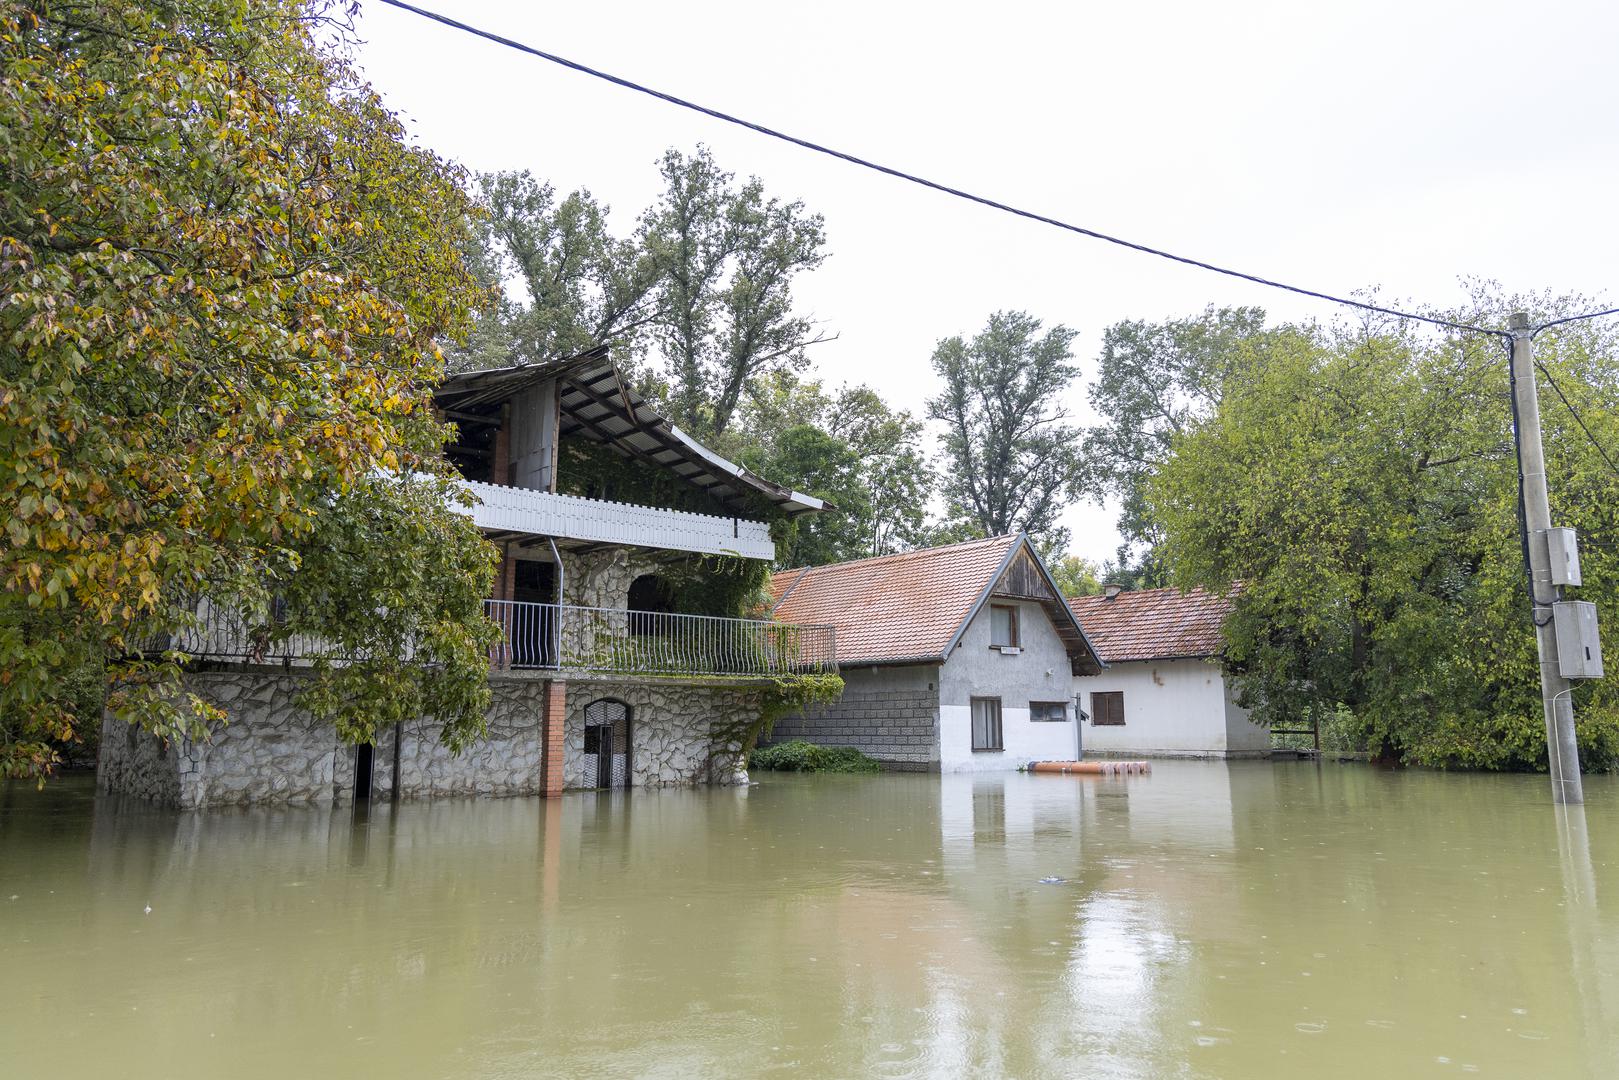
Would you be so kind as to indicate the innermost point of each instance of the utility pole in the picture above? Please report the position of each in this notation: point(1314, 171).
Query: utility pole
point(1563, 754)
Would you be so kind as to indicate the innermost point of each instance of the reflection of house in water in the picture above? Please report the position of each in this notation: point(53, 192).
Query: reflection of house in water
point(618, 661)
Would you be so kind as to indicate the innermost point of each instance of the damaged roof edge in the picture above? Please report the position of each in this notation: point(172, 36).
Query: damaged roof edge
point(506, 381)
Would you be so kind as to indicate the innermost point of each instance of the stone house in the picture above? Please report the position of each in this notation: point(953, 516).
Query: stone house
point(955, 659)
point(608, 518)
point(1165, 691)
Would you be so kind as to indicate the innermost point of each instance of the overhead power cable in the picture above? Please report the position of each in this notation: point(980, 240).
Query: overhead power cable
point(1578, 419)
point(1574, 318)
point(900, 174)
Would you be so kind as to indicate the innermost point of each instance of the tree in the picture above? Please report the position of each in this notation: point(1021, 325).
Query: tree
point(880, 482)
point(725, 258)
point(582, 287)
point(1011, 460)
point(1361, 485)
point(1076, 576)
point(1156, 382)
point(225, 269)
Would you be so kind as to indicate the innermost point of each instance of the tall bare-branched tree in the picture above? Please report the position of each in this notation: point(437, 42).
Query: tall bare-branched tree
point(1012, 462)
point(725, 257)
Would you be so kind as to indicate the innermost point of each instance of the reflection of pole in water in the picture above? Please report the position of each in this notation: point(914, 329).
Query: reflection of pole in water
point(1580, 913)
point(359, 832)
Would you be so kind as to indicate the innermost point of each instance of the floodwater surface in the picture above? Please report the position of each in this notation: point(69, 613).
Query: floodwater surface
point(1246, 921)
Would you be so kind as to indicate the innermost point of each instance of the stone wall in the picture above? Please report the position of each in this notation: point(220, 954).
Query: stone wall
point(602, 579)
point(505, 762)
point(131, 762)
point(891, 714)
point(671, 731)
point(270, 752)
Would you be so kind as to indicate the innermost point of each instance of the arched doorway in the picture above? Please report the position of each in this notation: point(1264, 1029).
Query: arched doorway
point(608, 744)
point(650, 598)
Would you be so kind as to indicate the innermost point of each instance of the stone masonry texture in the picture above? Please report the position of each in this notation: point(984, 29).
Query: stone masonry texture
point(270, 752)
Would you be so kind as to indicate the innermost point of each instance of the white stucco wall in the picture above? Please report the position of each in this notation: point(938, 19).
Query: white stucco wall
point(1171, 707)
point(1041, 672)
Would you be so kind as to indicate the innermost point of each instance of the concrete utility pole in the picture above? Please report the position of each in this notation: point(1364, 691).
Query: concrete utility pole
point(1555, 691)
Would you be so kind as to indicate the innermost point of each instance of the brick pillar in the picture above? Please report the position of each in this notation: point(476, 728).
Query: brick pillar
point(552, 713)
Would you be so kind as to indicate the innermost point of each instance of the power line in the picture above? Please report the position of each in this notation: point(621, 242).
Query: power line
point(1578, 419)
point(900, 174)
point(1570, 319)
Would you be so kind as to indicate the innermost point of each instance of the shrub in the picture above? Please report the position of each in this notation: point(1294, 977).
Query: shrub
point(796, 755)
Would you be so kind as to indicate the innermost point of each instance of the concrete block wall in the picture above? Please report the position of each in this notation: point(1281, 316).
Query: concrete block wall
point(891, 714)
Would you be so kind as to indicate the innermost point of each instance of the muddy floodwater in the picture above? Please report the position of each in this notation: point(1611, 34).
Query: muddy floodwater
point(1246, 921)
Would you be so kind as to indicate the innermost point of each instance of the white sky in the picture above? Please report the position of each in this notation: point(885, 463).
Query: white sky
point(1391, 144)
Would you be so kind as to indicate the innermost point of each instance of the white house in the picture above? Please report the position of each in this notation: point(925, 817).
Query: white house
point(955, 659)
point(1164, 691)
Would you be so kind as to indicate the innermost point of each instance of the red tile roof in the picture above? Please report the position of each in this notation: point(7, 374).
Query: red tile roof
point(1153, 624)
point(893, 607)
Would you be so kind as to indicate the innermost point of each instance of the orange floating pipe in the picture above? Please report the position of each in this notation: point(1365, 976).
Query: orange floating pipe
point(1091, 768)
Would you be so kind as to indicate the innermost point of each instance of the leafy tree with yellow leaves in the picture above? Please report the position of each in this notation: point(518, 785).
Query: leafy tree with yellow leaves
point(223, 271)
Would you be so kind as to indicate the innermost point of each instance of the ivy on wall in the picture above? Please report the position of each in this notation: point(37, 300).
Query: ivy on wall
point(781, 696)
point(724, 586)
point(703, 585)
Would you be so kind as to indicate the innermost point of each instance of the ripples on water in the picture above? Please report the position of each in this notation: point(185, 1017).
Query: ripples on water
point(1254, 920)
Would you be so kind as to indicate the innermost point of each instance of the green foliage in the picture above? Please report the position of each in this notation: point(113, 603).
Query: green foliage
point(592, 470)
point(1075, 576)
point(1361, 485)
point(704, 280)
point(392, 582)
point(847, 447)
point(225, 270)
point(725, 257)
point(780, 696)
point(800, 756)
point(582, 286)
point(1155, 382)
point(1012, 462)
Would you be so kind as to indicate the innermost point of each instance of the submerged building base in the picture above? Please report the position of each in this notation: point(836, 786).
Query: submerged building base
point(270, 752)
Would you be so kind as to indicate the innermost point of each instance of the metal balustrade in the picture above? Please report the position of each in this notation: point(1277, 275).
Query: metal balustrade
point(562, 637)
point(218, 633)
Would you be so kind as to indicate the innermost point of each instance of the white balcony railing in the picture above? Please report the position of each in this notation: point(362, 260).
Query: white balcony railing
point(568, 517)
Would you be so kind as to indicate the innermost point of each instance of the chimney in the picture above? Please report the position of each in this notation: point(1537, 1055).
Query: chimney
point(1111, 589)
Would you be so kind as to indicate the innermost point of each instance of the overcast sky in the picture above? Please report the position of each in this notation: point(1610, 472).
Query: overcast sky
point(1399, 145)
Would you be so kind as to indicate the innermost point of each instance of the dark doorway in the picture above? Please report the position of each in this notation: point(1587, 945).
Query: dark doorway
point(608, 744)
point(533, 630)
point(364, 756)
point(650, 599)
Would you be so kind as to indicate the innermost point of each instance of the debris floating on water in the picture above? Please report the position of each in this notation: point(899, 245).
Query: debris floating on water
point(1053, 881)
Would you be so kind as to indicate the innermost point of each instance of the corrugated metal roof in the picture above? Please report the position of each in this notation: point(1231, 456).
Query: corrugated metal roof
point(1154, 624)
point(596, 405)
point(910, 606)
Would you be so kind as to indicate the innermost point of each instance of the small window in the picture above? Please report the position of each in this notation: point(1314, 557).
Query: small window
point(987, 723)
point(1108, 708)
point(1003, 627)
point(1048, 712)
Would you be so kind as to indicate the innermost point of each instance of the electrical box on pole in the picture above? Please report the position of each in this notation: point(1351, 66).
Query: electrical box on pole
point(1562, 749)
point(1579, 648)
point(1563, 548)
